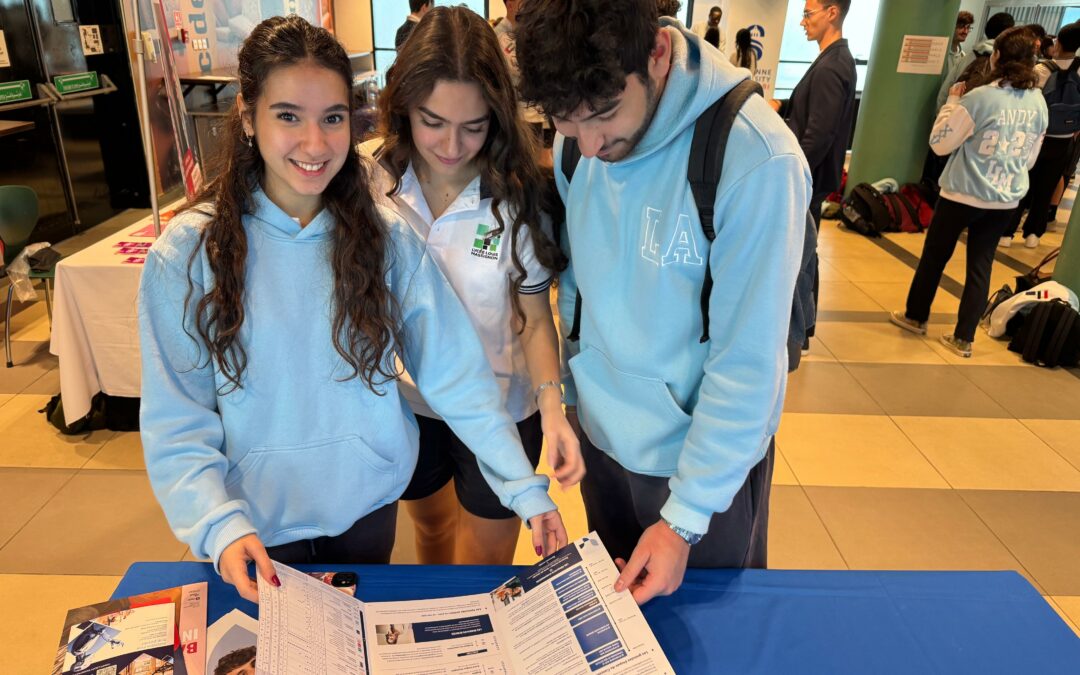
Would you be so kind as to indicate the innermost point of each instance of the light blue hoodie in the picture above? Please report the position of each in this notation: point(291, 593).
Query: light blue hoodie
point(650, 394)
point(300, 452)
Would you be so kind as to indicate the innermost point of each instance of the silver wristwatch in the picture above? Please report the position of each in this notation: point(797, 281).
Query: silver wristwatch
point(689, 537)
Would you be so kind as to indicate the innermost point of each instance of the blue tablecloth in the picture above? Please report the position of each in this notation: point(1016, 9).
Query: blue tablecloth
point(771, 621)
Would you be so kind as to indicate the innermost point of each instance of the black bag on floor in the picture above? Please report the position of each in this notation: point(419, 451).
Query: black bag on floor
point(1028, 281)
point(116, 413)
point(1050, 335)
point(864, 211)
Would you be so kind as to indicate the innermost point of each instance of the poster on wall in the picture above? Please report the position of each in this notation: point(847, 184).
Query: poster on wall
point(923, 55)
point(764, 19)
point(5, 60)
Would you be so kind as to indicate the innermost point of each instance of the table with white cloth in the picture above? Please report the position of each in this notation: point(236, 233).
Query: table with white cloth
point(95, 330)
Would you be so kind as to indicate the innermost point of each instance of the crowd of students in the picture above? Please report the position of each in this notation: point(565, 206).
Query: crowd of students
point(1002, 153)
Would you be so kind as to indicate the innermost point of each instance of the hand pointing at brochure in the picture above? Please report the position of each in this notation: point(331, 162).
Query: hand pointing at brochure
point(656, 566)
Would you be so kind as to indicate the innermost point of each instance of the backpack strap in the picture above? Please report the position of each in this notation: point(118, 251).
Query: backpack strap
point(705, 166)
point(571, 155)
point(703, 170)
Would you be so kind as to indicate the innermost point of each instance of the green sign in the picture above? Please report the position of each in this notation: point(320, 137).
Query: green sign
point(18, 90)
point(68, 84)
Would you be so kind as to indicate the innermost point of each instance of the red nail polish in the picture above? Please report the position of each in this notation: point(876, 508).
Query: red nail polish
point(539, 551)
point(274, 580)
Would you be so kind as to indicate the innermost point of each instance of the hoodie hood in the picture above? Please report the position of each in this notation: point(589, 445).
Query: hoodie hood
point(984, 48)
point(692, 86)
point(274, 222)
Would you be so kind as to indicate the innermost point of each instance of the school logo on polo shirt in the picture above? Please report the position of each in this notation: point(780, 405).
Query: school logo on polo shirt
point(486, 245)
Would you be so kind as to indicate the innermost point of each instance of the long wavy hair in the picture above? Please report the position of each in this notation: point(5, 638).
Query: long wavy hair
point(1016, 58)
point(365, 315)
point(456, 45)
point(743, 45)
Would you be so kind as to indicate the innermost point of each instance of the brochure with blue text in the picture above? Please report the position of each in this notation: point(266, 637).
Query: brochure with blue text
point(561, 615)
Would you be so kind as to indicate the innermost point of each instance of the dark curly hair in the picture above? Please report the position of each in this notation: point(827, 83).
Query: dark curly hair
point(574, 52)
point(455, 44)
point(668, 8)
point(1016, 58)
point(365, 320)
point(234, 660)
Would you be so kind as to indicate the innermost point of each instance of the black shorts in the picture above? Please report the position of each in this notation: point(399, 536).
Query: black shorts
point(443, 456)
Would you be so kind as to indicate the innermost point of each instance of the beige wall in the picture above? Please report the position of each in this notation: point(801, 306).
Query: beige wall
point(352, 24)
point(496, 8)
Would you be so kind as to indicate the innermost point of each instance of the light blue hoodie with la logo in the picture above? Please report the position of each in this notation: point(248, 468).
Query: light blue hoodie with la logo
point(650, 394)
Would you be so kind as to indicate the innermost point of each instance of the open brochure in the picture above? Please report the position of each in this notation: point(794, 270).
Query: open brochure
point(562, 615)
point(157, 632)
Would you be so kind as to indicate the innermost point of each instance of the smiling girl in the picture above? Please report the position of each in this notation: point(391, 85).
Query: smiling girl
point(459, 164)
point(271, 314)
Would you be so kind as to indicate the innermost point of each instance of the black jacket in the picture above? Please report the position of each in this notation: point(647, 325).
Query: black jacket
point(820, 112)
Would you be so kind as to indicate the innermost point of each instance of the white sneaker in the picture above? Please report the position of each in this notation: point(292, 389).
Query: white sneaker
point(1005, 242)
point(1031, 241)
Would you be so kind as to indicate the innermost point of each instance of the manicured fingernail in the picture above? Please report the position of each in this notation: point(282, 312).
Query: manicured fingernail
point(539, 551)
point(274, 580)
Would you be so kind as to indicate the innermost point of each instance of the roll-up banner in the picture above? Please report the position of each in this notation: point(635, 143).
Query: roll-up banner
point(764, 18)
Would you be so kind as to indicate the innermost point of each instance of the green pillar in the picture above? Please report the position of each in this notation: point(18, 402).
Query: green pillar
point(1067, 266)
point(896, 112)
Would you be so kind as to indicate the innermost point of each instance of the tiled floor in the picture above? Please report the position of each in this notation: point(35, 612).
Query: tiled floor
point(893, 454)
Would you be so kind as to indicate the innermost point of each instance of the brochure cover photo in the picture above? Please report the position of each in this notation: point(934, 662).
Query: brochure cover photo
point(159, 632)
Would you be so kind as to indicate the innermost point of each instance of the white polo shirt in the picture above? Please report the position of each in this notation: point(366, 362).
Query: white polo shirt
point(479, 267)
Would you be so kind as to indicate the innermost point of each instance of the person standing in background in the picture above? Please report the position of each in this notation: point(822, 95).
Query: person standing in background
point(822, 105)
point(982, 182)
point(977, 70)
point(955, 62)
point(710, 30)
point(1056, 153)
point(744, 55)
point(417, 9)
point(669, 8)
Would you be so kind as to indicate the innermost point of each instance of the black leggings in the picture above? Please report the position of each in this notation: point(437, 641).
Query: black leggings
point(984, 228)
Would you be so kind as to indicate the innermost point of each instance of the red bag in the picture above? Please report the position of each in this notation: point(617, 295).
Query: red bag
point(921, 200)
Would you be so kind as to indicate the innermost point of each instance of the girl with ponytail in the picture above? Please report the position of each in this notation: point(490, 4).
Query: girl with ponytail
point(994, 133)
point(272, 315)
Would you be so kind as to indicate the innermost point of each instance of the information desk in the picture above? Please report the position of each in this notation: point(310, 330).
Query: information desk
point(769, 621)
point(95, 330)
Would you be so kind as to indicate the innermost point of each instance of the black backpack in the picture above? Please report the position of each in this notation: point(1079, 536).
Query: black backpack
point(1050, 335)
point(1062, 94)
point(703, 172)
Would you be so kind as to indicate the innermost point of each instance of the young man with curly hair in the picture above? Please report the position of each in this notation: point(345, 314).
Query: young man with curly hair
point(676, 428)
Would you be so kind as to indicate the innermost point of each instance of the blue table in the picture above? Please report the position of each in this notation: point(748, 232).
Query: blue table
point(771, 621)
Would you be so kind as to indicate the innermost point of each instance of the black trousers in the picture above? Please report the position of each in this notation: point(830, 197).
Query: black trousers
point(984, 228)
point(816, 200)
point(369, 541)
point(1043, 179)
point(620, 505)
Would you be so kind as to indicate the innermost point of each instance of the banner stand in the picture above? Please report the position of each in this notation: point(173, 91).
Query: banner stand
point(144, 115)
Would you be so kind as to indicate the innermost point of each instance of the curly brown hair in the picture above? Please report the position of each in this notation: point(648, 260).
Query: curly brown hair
point(365, 320)
point(574, 52)
point(455, 44)
point(1016, 58)
point(234, 659)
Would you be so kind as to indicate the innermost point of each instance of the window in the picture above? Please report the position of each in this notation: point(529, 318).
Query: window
point(388, 15)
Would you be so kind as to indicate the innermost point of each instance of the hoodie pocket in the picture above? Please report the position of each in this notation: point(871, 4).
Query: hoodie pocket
point(318, 485)
point(631, 417)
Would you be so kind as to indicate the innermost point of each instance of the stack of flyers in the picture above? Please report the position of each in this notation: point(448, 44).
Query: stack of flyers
point(159, 632)
point(230, 644)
